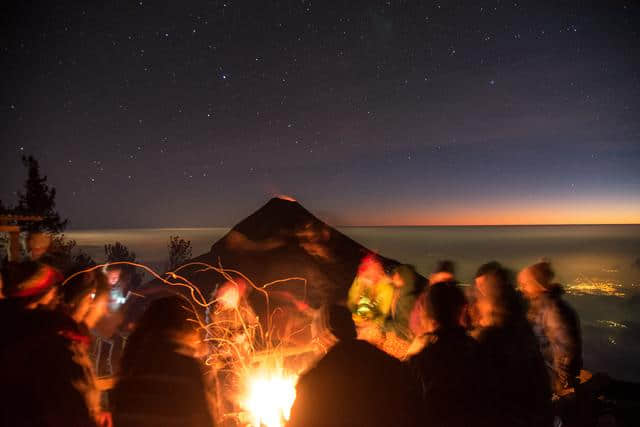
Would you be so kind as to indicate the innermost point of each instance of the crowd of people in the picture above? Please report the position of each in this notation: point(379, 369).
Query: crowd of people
point(502, 352)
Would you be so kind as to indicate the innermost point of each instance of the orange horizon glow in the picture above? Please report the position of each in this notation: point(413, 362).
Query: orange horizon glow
point(532, 214)
point(481, 224)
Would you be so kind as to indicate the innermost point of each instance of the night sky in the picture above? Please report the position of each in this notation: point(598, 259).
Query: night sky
point(368, 112)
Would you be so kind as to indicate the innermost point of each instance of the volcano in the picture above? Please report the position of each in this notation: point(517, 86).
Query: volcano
point(280, 240)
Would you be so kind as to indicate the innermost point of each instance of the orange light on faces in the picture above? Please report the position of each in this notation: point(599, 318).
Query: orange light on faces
point(229, 294)
point(370, 269)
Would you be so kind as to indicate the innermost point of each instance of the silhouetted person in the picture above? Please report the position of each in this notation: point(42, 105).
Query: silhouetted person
point(420, 323)
point(354, 384)
point(443, 273)
point(28, 285)
point(85, 299)
point(161, 381)
point(109, 330)
point(555, 324)
point(406, 289)
point(43, 381)
point(516, 379)
point(447, 367)
point(38, 245)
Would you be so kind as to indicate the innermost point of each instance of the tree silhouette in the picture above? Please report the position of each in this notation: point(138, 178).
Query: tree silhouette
point(179, 251)
point(39, 199)
point(71, 256)
point(118, 252)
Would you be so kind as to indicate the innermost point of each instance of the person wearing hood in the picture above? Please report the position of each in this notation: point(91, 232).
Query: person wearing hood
point(555, 324)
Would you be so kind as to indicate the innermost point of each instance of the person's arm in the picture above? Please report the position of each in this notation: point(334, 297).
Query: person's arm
point(384, 297)
point(73, 397)
point(564, 345)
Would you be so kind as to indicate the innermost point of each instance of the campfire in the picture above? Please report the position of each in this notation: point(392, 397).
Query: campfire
point(261, 364)
point(255, 360)
point(269, 397)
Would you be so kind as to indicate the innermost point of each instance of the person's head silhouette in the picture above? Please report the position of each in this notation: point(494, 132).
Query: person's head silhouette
point(341, 323)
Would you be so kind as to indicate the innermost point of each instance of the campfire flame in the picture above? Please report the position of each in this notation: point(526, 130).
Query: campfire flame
point(269, 398)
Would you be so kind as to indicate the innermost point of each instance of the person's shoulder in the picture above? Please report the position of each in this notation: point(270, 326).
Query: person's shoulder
point(543, 304)
point(38, 320)
point(9, 309)
point(508, 331)
point(456, 343)
point(563, 306)
point(57, 329)
point(13, 321)
point(55, 320)
point(167, 369)
point(306, 378)
point(345, 351)
point(368, 349)
point(316, 375)
point(352, 355)
point(430, 341)
point(555, 305)
point(168, 353)
point(486, 335)
point(468, 341)
point(561, 312)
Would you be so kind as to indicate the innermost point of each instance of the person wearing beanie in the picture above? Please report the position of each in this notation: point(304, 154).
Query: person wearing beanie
point(354, 384)
point(30, 284)
point(443, 273)
point(29, 288)
point(43, 384)
point(555, 324)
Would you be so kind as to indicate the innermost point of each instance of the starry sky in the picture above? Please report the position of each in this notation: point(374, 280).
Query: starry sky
point(398, 112)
